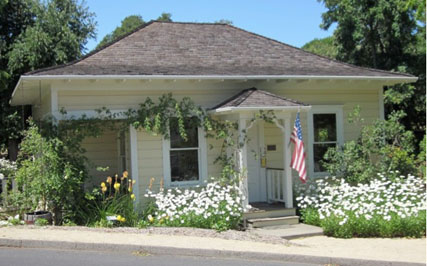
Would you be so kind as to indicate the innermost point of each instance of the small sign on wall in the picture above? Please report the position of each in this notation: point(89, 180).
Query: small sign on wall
point(271, 147)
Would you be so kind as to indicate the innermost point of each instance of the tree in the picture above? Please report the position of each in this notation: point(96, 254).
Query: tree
point(324, 47)
point(36, 34)
point(388, 35)
point(128, 24)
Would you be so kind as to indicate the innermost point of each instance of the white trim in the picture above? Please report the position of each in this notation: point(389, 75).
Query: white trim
point(287, 187)
point(207, 77)
point(203, 156)
point(323, 109)
point(381, 102)
point(133, 136)
point(278, 108)
point(243, 160)
point(202, 161)
point(395, 80)
point(262, 153)
point(166, 162)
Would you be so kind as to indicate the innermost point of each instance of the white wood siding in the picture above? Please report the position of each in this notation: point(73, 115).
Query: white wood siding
point(115, 95)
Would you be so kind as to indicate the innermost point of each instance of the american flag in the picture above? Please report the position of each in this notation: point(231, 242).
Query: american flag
point(298, 157)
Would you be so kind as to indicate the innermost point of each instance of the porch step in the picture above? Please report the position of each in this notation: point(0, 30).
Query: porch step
point(269, 213)
point(263, 222)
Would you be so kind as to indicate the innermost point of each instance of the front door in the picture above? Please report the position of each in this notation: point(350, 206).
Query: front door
point(256, 174)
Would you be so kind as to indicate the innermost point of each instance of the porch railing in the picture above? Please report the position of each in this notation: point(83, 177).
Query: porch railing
point(275, 183)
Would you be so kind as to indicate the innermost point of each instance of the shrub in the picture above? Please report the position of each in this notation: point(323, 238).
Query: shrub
point(384, 146)
point(112, 204)
point(49, 176)
point(215, 206)
point(380, 208)
point(41, 222)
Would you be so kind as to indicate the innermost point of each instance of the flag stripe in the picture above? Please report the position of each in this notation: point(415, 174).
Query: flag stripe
point(298, 156)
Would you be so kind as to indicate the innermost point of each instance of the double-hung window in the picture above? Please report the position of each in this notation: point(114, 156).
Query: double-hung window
point(183, 161)
point(325, 131)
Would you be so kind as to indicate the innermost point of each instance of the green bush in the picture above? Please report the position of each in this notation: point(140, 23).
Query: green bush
point(41, 222)
point(413, 226)
point(49, 175)
point(384, 146)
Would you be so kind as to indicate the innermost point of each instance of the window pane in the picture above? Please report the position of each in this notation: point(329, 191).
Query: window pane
point(319, 151)
point(325, 127)
point(184, 165)
point(190, 128)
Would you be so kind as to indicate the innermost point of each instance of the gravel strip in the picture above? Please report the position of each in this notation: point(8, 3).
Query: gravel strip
point(178, 231)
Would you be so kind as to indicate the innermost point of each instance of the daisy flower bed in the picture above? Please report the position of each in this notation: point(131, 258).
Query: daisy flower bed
point(380, 208)
point(216, 206)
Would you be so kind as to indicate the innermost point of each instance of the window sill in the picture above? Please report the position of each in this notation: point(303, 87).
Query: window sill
point(185, 184)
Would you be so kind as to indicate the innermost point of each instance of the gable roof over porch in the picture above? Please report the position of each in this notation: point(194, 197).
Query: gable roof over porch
point(254, 99)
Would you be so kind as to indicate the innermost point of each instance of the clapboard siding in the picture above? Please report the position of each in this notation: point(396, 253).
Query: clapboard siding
point(101, 152)
point(85, 96)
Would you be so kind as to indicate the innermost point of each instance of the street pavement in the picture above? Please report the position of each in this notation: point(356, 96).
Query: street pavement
point(51, 257)
point(317, 249)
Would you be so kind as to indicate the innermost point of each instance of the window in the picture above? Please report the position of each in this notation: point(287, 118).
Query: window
point(183, 160)
point(325, 137)
point(325, 131)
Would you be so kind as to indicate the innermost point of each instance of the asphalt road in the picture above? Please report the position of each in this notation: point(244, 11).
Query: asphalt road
point(49, 257)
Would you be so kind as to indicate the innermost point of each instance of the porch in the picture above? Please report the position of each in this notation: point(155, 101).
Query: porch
point(263, 178)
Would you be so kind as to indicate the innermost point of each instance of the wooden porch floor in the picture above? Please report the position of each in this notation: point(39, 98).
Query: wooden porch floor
point(265, 207)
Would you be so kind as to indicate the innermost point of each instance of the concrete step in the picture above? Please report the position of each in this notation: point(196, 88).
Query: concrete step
point(263, 222)
point(291, 231)
point(269, 213)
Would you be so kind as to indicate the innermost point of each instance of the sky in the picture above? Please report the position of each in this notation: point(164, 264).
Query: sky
point(294, 22)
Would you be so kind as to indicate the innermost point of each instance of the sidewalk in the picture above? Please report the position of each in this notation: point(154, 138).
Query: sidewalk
point(318, 249)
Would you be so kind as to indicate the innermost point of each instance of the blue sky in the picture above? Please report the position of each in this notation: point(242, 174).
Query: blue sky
point(294, 22)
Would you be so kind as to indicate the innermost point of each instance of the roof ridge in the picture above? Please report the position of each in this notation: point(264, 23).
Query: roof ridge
point(248, 92)
point(320, 56)
point(281, 97)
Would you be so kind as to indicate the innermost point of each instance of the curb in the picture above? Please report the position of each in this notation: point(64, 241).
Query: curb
point(161, 250)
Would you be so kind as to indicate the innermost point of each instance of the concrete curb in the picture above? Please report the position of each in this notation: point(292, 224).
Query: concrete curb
point(161, 250)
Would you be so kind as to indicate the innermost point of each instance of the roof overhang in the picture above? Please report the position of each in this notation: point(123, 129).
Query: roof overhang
point(390, 80)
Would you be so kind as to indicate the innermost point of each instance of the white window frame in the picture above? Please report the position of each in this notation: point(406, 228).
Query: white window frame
point(202, 160)
point(323, 109)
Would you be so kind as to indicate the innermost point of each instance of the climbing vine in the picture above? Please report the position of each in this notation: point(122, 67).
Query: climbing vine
point(155, 118)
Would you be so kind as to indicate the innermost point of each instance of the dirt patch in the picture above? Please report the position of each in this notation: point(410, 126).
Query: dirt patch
point(177, 231)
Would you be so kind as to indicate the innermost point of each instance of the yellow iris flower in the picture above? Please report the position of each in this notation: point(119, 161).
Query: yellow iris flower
point(117, 186)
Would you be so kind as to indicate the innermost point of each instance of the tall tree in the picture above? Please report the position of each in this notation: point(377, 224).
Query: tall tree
point(128, 24)
point(324, 47)
point(36, 34)
point(389, 35)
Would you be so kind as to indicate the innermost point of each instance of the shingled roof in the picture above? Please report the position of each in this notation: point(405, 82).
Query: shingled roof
point(204, 49)
point(254, 98)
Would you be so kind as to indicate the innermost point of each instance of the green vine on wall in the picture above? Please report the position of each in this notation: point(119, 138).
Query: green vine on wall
point(155, 119)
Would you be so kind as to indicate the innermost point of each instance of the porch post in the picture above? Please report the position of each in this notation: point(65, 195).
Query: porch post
point(289, 200)
point(134, 161)
point(243, 161)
